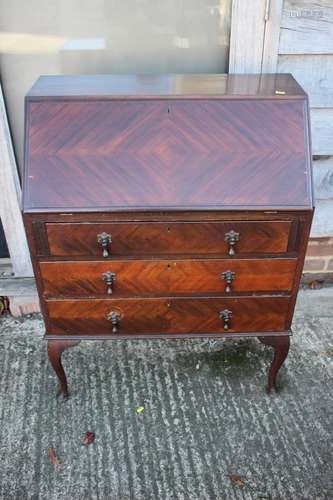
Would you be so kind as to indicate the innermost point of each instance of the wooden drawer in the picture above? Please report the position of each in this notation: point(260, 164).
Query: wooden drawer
point(158, 238)
point(166, 277)
point(168, 315)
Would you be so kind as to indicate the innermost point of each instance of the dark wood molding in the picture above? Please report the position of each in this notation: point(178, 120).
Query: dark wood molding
point(163, 336)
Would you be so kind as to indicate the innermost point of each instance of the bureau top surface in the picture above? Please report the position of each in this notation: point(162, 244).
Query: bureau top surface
point(209, 85)
point(118, 142)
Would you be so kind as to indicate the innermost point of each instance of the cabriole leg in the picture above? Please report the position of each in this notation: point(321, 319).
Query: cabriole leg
point(55, 349)
point(281, 348)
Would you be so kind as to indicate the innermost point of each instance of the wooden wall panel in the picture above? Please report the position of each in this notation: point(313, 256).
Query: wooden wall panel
point(306, 51)
point(314, 73)
point(323, 178)
point(10, 194)
point(273, 15)
point(247, 36)
point(254, 38)
point(307, 27)
point(322, 131)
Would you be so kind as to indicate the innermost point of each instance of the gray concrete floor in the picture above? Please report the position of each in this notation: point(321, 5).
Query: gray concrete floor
point(206, 416)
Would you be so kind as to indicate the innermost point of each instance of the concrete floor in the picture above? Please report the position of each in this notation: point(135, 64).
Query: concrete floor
point(206, 416)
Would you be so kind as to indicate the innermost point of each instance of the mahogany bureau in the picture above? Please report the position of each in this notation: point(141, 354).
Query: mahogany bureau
point(167, 206)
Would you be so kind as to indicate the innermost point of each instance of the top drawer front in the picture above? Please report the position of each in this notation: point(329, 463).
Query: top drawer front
point(156, 238)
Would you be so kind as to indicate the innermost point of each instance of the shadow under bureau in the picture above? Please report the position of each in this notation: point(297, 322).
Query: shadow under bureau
point(167, 206)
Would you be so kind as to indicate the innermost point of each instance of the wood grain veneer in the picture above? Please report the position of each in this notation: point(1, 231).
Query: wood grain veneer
point(153, 238)
point(165, 277)
point(170, 315)
point(174, 154)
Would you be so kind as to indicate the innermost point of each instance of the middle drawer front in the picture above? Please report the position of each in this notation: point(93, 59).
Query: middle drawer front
point(166, 277)
point(167, 315)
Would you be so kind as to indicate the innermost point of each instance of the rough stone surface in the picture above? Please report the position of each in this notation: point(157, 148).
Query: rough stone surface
point(206, 416)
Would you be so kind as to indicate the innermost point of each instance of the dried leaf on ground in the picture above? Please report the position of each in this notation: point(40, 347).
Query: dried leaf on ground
point(4, 305)
point(53, 457)
point(237, 480)
point(315, 285)
point(88, 438)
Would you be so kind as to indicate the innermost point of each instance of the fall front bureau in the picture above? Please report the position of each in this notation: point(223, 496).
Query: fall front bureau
point(167, 206)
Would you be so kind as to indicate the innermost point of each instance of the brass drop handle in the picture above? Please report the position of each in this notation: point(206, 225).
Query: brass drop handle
point(228, 277)
point(114, 317)
point(109, 279)
point(225, 316)
point(231, 237)
point(105, 240)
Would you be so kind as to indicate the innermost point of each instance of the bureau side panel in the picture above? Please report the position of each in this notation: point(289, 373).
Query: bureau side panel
point(302, 239)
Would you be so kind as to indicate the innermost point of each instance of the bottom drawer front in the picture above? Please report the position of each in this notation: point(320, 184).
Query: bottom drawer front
point(181, 315)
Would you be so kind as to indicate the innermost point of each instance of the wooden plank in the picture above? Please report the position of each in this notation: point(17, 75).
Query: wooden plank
point(307, 27)
point(323, 178)
point(6, 268)
point(18, 287)
point(254, 38)
point(10, 190)
point(25, 304)
point(314, 73)
point(22, 292)
point(247, 36)
point(322, 131)
point(273, 17)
